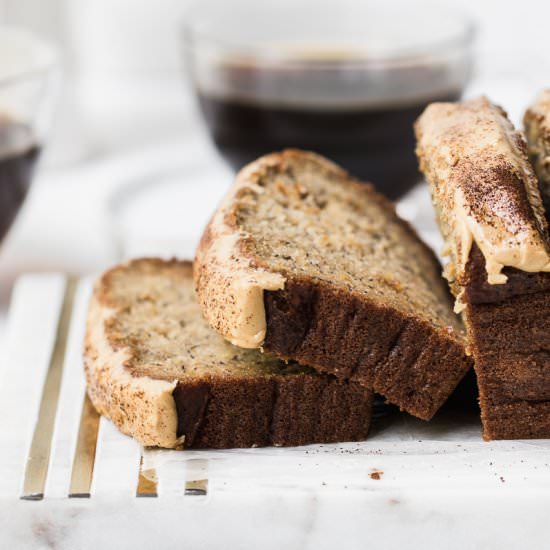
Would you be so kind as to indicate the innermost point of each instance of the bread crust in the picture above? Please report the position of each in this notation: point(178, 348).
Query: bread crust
point(212, 411)
point(400, 357)
point(537, 130)
point(505, 319)
point(507, 334)
point(139, 406)
point(411, 363)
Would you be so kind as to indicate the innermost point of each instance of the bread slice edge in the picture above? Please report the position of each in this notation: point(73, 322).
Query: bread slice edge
point(229, 283)
point(139, 406)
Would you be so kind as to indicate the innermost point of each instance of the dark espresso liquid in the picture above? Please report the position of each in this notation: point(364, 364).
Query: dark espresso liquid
point(374, 144)
point(18, 156)
point(361, 119)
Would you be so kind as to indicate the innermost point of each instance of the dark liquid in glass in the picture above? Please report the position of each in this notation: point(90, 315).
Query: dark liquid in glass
point(373, 141)
point(18, 155)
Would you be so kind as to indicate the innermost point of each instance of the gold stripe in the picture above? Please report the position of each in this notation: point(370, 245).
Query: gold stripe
point(38, 459)
point(84, 457)
point(147, 482)
point(196, 487)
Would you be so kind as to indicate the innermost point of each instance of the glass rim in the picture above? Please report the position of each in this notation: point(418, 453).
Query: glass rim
point(45, 52)
point(191, 33)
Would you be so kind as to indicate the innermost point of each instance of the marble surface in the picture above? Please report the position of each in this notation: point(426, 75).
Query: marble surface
point(435, 485)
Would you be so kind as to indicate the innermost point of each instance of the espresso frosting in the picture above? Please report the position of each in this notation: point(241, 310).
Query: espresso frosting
point(230, 287)
point(483, 187)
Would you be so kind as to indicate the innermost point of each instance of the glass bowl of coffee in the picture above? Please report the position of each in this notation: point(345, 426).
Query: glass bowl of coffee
point(342, 78)
point(27, 74)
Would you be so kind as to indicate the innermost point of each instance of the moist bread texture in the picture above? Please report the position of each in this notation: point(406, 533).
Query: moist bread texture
point(162, 375)
point(491, 216)
point(537, 131)
point(311, 265)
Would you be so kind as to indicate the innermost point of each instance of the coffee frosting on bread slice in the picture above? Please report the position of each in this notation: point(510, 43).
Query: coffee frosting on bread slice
point(491, 216)
point(162, 375)
point(311, 265)
point(484, 186)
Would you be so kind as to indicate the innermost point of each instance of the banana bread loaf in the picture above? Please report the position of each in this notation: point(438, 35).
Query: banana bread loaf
point(311, 265)
point(162, 375)
point(491, 216)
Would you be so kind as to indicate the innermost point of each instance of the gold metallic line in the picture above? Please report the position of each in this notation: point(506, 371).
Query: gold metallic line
point(196, 487)
point(84, 457)
point(38, 459)
point(147, 482)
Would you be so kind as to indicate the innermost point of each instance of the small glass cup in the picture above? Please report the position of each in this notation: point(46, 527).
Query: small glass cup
point(27, 75)
point(343, 78)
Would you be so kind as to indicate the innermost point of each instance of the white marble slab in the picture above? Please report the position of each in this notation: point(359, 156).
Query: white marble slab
point(439, 486)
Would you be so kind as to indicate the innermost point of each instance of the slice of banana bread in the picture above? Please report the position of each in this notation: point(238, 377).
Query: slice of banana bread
point(162, 375)
point(491, 216)
point(311, 265)
point(537, 130)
